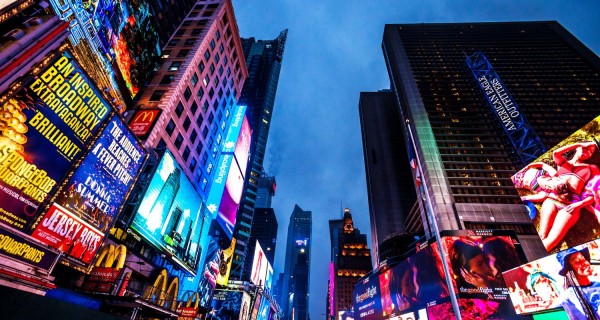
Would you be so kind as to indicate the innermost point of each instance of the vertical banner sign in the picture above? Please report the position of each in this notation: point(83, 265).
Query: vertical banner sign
point(525, 141)
point(225, 265)
point(84, 210)
point(43, 129)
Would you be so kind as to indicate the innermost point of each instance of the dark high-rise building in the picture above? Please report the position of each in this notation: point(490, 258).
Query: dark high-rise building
point(265, 191)
point(463, 152)
point(264, 229)
point(389, 181)
point(351, 260)
point(294, 290)
point(263, 60)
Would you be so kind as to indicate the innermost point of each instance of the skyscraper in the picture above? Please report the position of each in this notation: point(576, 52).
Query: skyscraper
point(294, 290)
point(389, 182)
point(462, 152)
point(265, 191)
point(263, 60)
point(264, 229)
point(351, 260)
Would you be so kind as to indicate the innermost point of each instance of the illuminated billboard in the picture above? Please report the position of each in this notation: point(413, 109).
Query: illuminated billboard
point(226, 189)
point(413, 283)
point(44, 129)
point(209, 272)
point(346, 315)
point(269, 278)
point(558, 281)
point(169, 215)
point(476, 260)
point(143, 121)
point(367, 299)
point(16, 247)
point(225, 265)
point(264, 309)
point(93, 195)
point(561, 189)
point(230, 305)
point(260, 265)
point(128, 35)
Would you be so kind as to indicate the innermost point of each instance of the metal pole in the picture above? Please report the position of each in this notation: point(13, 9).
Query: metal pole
point(429, 214)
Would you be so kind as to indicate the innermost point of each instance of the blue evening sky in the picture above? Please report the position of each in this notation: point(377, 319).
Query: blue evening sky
point(333, 53)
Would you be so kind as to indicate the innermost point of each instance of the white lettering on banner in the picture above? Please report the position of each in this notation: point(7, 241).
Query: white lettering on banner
point(222, 168)
point(501, 101)
point(370, 293)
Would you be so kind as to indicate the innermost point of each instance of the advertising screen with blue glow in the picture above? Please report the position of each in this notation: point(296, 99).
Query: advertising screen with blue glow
point(230, 305)
point(225, 191)
point(169, 216)
point(264, 309)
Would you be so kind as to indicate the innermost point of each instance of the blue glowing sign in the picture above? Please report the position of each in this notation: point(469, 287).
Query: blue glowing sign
point(525, 141)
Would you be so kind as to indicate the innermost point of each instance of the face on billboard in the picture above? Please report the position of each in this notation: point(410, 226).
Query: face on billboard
point(540, 285)
point(562, 190)
point(95, 191)
point(43, 130)
point(128, 35)
point(169, 215)
point(413, 283)
point(477, 259)
point(259, 266)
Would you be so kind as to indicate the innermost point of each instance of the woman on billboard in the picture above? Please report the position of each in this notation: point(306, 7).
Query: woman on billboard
point(557, 217)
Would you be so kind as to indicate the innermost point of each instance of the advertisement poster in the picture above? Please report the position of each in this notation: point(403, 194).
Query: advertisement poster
point(128, 35)
point(208, 274)
point(95, 191)
point(476, 260)
point(225, 266)
point(561, 189)
point(562, 280)
point(259, 266)
point(169, 214)
point(234, 184)
point(264, 309)
point(346, 315)
point(229, 305)
point(256, 307)
point(413, 283)
point(269, 278)
point(26, 251)
point(367, 299)
point(44, 129)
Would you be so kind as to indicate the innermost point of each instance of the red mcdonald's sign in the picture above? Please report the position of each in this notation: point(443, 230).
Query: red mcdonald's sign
point(143, 120)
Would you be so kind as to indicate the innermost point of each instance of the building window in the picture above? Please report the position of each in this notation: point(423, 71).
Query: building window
point(187, 94)
point(194, 79)
point(170, 127)
point(200, 93)
point(221, 48)
point(186, 154)
point(190, 42)
point(205, 106)
point(221, 70)
point(194, 108)
point(183, 53)
point(186, 124)
point(211, 93)
point(199, 120)
point(218, 35)
point(207, 55)
point(212, 44)
point(192, 165)
point(175, 66)
point(201, 66)
point(187, 23)
point(211, 117)
point(173, 42)
point(205, 132)
point(156, 95)
point(178, 141)
point(167, 79)
point(197, 31)
point(206, 80)
point(179, 109)
point(204, 158)
point(217, 57)
point(193, 136)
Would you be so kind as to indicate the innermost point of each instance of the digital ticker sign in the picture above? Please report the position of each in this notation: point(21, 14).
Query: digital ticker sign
point(85, 208)
point(44, 128)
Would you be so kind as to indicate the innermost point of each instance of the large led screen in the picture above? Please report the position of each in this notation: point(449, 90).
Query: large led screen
point(226, 188)
point(264, 309)
point(169, 215)
point(43, 130)
point(569, 279)
point(476, 260)
point(561, 189)
point(413, 283)
point(367, 299)
point(209, 272)
point(127, 31)
point(86, 206)
point(230, 305)
point(225, 265)
point(260, 265)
